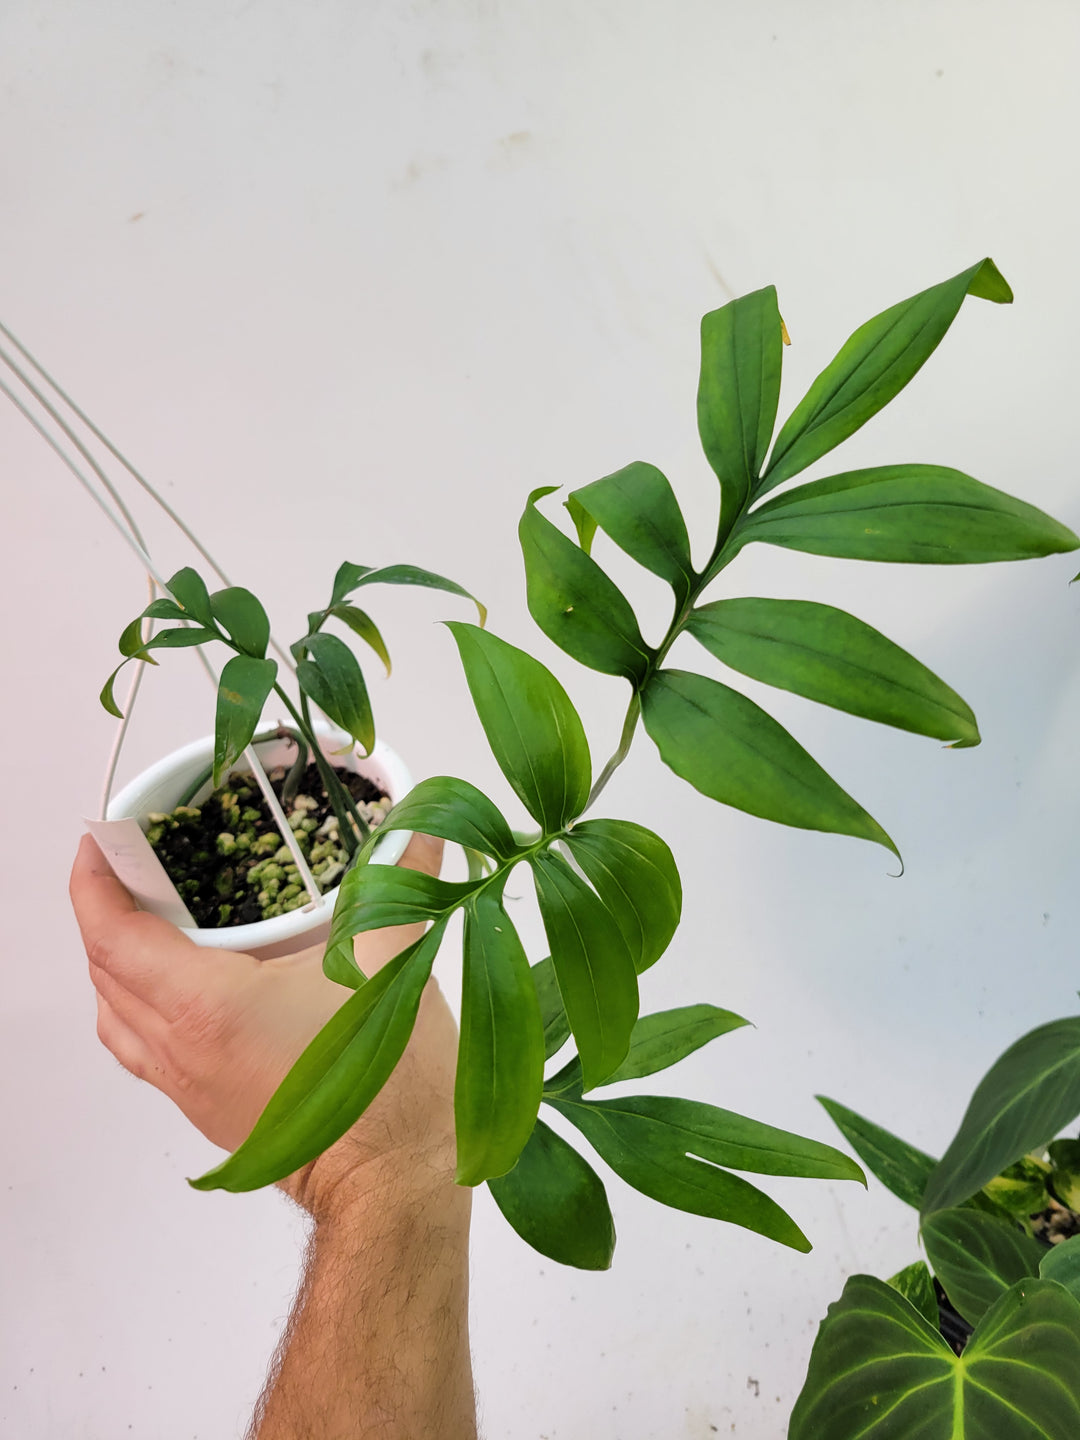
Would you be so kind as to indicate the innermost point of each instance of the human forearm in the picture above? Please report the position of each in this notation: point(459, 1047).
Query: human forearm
point(377, 1345)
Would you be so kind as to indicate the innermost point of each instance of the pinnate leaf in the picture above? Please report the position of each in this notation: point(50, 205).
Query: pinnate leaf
point(671, 1150)
point(500, 1069)
point(636, 507)
point(829, 656)
point(453, 810)
point(730, 749)
point(188, 589)
point(242, 692)
point(336, 1077)
point(872, 367)
point(352, 577)
point(913, 514)
point(556, 1202)
point(534, 732)
point(244, 618)
point(594, 968)
point(574, 602)
point(333, 679)
point(739, 389)
point(634, 873)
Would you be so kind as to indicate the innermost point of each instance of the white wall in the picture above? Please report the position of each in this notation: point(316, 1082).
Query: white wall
point(348, 280)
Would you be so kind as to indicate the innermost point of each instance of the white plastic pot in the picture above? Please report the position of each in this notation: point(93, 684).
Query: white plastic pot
point(160, 787)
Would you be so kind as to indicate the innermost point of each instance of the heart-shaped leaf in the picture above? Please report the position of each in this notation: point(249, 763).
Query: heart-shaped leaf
point(835, 659)
point(556, 1202)
point(730, 749)
point(1062, 1263)
point(916, 1285)
point(977, 1257)
point(879, 1371)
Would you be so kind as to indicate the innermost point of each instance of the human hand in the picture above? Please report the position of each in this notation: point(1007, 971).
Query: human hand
point(217, 1030)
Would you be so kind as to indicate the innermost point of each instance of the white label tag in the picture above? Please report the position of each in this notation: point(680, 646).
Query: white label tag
point(132, 858)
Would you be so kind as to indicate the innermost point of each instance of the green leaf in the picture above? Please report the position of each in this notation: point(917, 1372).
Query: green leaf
point(244, 618)
point(637, 508)
point(352, 577)
point(741, 350)
point(552, 1011)
point(1065, 1177)
point(873, 366)
point(346, 580)
point(500, 1069)
point(907, 514)
point(1062, 1263)
point(634, 873)
point(107, 699)
point(131, 641)
point(165, 610)
point(584, 523)
point(661, 1040)
point(557, 1203)
point(1030, 1093)
point(534, 732)
point(334, 680)
point(657, 1042)
point(372, 896)
point(977, 1257)
point(336, 1078)
point(1020, 1190)
point(242, 692)
point(362, 624)
point(453, 810)
point(899, 1166)
point(575, 603)
point(831, 657)
point(670, 1149)
point(730, 749)
point(879, 1371)
point(188, 589)
point(595, 970)
point(914, 1282)
point(180, 639)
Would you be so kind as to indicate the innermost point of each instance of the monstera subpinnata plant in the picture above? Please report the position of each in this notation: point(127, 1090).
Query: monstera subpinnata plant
point(608, 890)
point(1000, 1222)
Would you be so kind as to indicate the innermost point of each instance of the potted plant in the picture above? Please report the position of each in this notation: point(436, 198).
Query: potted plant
point(989, 1343)
point(608, 891)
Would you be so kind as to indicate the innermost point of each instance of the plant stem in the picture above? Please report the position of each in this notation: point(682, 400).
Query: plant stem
point(332, 785)
point(717, 562)
point(633, 710)
point(362, 827)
